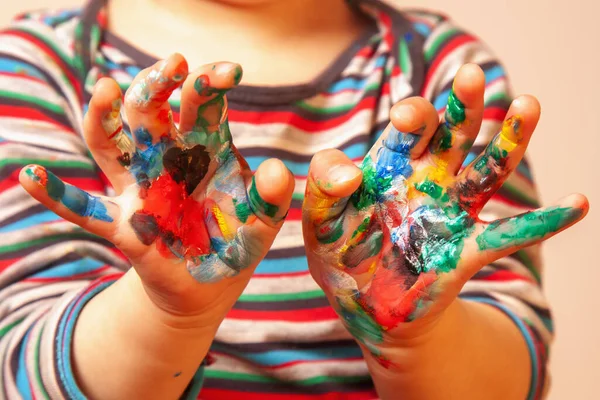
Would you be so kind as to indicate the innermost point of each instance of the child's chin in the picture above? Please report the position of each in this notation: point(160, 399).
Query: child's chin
point(245, 2)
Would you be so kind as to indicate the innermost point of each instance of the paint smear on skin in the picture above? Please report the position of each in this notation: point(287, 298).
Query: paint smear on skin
point(258, 205)
point(73, 198)
point(525, 228)
point(113, 126)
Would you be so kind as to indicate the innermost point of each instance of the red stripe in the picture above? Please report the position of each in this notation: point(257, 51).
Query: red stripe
point(70, 277)
point(288, 275)
point(307, 315)
point(22, 75)
point(50, 52)
point(293, 119)
point(30, 114)
point(505, 276)
point(119, 129)
point(441, 56)
point(494, 113)
point(208, 393)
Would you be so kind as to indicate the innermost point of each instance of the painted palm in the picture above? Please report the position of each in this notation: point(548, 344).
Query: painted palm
point(402, 244)
point(186, 197)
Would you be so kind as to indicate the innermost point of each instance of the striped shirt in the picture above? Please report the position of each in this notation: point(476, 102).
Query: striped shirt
point(281, 339)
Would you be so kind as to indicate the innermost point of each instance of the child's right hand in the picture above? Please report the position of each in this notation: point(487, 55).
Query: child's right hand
point(188, 213)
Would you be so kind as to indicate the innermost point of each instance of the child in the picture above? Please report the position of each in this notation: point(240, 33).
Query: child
point(218, 278)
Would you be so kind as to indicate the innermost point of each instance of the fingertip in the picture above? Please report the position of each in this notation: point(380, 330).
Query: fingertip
point(413, 115)
point(105, 91)
point(274, 181)
point(176, 67)
point(334, 173)
point(469, 84)
point(527, 108)
point(578, 201)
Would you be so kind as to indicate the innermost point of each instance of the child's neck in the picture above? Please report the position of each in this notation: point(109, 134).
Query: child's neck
point(279, 42)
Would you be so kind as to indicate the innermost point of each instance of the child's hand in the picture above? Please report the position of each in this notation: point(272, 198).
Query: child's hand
point(395, 241)
point(189, 214)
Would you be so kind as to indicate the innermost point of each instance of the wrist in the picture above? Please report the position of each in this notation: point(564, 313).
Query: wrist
point(123, 344)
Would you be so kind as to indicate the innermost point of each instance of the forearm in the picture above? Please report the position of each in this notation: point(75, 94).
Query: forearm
point(475, 351)
point(124, 347)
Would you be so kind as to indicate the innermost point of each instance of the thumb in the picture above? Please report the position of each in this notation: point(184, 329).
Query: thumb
point(270, 192)
point(332, 178)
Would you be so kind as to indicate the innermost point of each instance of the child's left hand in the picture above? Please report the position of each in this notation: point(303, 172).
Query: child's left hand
point(392, 243)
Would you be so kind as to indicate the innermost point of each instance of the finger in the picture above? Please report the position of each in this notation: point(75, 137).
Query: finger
point(413, 122)
point(260, 212)
point(146, 101)
point(97, 215)
point(203, 102)
point(103, 132)
point(505, 236)
point(332, 178)
point(462, 119)
point(270, 192)
point(478, 182)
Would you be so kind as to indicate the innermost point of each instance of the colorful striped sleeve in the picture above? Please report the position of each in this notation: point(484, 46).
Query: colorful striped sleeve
point(48, 266)
point(512, 284)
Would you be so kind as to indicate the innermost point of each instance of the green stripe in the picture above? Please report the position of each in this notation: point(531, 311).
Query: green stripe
point(36, 363)
point(334, 109)
point(210, 373)
point(497, 97)
point(56, 49)
point(404, 55)
point(298, 196)
point(46, 163)
point(519, 195)
point(4, 331)
point(33, 100)
point(433, 49)
point(313, 294)
point(31, 243)
point(528, 263)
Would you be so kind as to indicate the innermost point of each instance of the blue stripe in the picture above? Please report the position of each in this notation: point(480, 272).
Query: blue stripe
point(278, 357)
point(357, 150)
point(525, 332)
point(422, 28)
point(22, 378)
point(71, 268)
point(282, 265)
point(493, 74)
point(13, 66)
point(32, 220)
point(353, 83)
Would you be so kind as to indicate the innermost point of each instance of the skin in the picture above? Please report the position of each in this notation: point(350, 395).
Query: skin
point(190, 216)
point(393, 241)
point(122, 334)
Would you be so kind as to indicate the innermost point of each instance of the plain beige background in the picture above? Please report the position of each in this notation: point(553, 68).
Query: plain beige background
point(550, 50)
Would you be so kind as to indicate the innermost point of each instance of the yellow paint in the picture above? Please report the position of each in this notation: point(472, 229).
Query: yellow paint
point(509, 136)
point(436, 173)
point(319, 204)
point(227, 234)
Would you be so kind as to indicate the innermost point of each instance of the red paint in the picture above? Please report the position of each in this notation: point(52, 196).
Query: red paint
point(179, 214)
point(389, 305)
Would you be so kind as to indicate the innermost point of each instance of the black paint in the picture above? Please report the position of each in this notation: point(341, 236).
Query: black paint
point(189, 165)
point(145, 227)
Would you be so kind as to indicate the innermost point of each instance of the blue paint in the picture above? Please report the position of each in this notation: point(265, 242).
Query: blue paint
point(147, 163)
point(143, 136)
point(401, 142)
point(84, 204)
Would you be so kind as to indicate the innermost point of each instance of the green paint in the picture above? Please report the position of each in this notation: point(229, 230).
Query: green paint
point(360, 324)
point(258, 205)
point(242, 210)
point(442, 140)
point(55, 187)
point(331, 231)
point(362, 227)
point(372, 185)
point(219, 102)
point(430, 188)
point(493, 155)
point(526, 228)
point(237, 77)
point(455, 111)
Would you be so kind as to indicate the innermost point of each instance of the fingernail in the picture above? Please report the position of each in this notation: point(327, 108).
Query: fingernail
point(342, 173)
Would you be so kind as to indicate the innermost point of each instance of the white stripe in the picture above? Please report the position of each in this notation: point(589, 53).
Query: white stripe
point(296, 372)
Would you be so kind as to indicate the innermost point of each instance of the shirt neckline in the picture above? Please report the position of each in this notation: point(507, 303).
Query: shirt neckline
point(246, 94)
